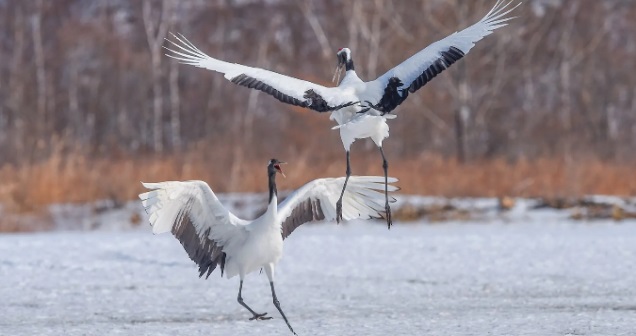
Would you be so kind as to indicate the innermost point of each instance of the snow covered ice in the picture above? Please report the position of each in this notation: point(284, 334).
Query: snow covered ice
point(360, 279)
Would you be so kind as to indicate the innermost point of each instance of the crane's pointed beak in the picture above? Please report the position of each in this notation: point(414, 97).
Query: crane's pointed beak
point(336, 74)
point(279, 169)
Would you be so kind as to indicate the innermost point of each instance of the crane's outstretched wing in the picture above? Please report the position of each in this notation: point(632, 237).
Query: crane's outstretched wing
point(284, 88)
point(422, 67)
point(316, 200)
point(194, 215)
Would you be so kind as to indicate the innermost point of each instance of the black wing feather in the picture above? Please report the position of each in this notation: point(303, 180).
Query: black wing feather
point(202, 250)
point(312, 100)
point(394, 94)
point(307, 211)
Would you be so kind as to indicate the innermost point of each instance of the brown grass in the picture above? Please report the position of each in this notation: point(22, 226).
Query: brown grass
point(75, 178)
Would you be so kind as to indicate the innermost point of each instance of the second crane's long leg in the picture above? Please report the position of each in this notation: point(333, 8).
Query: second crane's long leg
point(385, 165)
point(256, 315)
point(339, 203)
point(277, 304)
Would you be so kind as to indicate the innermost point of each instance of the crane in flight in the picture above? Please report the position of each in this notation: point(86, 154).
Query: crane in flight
point(213, 236)
point(360, 108)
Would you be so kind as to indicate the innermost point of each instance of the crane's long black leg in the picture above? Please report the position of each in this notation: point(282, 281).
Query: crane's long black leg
point(256, 315)
point(277, 304)
point(385, 165)
point(339, 203)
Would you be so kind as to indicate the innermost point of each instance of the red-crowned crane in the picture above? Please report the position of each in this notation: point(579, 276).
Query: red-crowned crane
point(360, 108)
point(213, 236)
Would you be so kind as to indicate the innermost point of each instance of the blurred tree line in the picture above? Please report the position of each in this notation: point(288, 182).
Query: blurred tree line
point(90, 76)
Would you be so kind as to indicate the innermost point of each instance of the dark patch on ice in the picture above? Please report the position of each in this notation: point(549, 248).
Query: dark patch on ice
point(27, 305)
point(422, 282)
point(625, 308)
point(120, 256)
point(185, 319)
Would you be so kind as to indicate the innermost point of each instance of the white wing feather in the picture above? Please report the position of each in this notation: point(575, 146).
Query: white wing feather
point(464, 40)
point(167, 201)
point(186, 52)
point(363, 198)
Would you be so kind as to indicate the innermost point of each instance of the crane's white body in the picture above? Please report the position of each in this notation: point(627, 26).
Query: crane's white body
point(353, 125)
point(364, 126)
point(262, 245)
point(250, 245)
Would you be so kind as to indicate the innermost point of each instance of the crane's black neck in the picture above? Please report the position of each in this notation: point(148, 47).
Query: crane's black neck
point(271, 172)
point(349, 65)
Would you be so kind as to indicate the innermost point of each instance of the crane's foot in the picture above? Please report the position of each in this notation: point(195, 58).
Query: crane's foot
point(260, 317)
point(339, 211)
point(389, 220)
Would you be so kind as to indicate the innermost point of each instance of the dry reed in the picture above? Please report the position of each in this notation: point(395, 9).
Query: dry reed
point(75, 178)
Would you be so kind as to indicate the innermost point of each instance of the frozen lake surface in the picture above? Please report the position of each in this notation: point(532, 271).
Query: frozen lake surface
point(358, 279)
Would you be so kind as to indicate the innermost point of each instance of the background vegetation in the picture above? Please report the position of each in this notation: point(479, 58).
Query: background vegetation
point(89, 105)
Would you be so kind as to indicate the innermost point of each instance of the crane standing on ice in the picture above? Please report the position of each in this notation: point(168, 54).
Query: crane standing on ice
point(360, 108)
point(211, 235)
